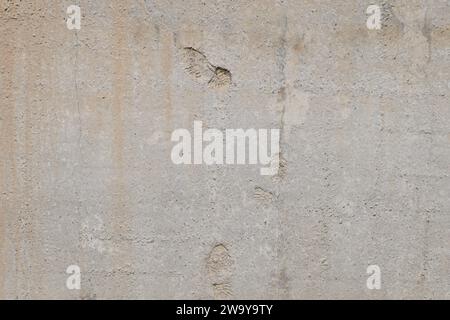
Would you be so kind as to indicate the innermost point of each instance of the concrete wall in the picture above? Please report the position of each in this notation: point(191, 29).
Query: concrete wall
point(86, 176)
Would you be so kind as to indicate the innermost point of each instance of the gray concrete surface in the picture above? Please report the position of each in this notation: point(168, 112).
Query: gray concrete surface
point(85, 171)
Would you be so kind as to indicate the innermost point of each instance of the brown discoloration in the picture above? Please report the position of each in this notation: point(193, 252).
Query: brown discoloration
point(92, 143)
point(120, 219)
point(299, 46)
point(24, 143)
point(28, 251)
point(439, 36)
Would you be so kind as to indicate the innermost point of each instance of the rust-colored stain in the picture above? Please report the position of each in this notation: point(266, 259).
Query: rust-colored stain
point(24, 59)
point(28, 245)
point(86, 176)
point(121, 67)
point(18, 180)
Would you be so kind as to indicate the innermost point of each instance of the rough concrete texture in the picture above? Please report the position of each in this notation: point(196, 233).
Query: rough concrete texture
point(86, 176)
